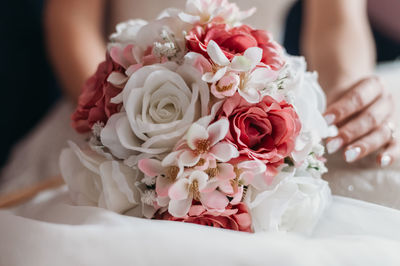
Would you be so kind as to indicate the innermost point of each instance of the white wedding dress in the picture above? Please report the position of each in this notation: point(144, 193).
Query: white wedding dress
point(50, 231)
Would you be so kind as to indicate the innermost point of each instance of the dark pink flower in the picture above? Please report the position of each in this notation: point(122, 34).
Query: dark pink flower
point(265, 131)
point(234, 41)
point(94, 102)
point(235, 217)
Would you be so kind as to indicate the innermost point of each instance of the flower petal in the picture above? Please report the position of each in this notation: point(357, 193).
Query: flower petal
point(188, 158)
point(226, 171)
point(171, 158)
point(216, 54)
point(179, 190)
point(262, 76)
point(117, 78)
point(163, 201)
point(217, 131)
point(241, 63)
point(113, 198)
point(109, 137)
point(188, 18)
point(150, 167)
point(163, 185)
point(194, 134)
point(254, 54)
point(211, 77)
point(179, 208)
point(224, 151)
point(238, 196)
point(214, 200)
point(200, 177)
point(251, 95)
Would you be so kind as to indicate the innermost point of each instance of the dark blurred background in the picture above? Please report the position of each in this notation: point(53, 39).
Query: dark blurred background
point(28, 85)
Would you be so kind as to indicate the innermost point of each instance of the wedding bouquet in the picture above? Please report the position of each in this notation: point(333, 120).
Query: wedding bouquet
point(196, 117)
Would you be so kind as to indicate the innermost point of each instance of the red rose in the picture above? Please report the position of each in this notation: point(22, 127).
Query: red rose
point(265, 131)
point(234, 41)
point(235, 217)
point(94, 102)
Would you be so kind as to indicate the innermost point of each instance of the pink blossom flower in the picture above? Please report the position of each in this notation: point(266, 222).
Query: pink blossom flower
point(194, 187)
point(165, 175)
point(205, 143)
point(226, 86)
point(244, 73)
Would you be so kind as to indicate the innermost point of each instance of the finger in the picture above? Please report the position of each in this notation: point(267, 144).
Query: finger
point(358, 98)
point(368, 144)
point(390, 154)
point(369, 119)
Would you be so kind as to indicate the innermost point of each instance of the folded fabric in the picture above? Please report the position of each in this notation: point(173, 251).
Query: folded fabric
point(50, 231)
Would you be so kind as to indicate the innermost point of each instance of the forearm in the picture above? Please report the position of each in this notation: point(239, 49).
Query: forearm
point(75, 41)
point(337, 43)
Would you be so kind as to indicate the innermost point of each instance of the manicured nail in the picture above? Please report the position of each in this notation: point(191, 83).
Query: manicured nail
point(352, 154)
point(334, 145)
point(385, 160)
point(333, 131)
point(330, 118)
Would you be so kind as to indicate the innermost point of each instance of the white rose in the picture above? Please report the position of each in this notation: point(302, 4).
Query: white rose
point(290, 204)
point(94, 180)
point(160, 103)
point(127, 31)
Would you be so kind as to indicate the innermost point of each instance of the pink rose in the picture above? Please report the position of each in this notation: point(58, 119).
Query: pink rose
point(94, 102)
point(234, 41)
point(265, 131)
point(235, 217)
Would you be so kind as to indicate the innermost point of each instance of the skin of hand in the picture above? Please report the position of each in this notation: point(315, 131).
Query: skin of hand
point(337, 42)
point(75, 41)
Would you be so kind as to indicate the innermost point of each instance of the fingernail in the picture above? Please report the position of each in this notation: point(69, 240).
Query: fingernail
point(333, 131)
point(352, 154)
point(330, 118)
point(385, 160)
point(334, 145)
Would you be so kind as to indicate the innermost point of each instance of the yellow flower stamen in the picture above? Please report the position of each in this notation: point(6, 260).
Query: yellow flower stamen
point(212, 172)
point(172, 173)
point(194, 190)
point(224, 88)
point(202, 146)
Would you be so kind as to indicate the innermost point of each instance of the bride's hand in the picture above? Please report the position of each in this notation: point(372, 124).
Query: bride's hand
point(365, 118)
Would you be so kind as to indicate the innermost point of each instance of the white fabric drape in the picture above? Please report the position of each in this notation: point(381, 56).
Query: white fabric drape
point(50, 231)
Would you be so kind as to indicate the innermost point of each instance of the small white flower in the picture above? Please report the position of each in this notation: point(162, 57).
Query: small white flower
point(149, 180)
point(149, 197)
point(127, 31)
point(95, 180)
point(204, 11)
point(289, 204)
point(97, 128)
